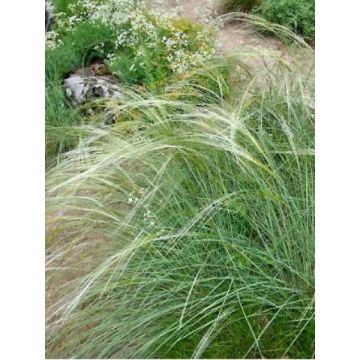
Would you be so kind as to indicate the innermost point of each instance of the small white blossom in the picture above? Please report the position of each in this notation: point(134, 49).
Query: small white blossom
point(137, 29)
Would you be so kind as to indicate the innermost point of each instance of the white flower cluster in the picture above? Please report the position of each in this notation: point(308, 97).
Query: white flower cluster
point(180, 54)
point(53, 39)
point(147, 215)
point(137, 27)
point(135, 23)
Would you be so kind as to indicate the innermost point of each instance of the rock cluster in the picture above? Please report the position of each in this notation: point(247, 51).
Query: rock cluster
point(80, 89)
point(90, 83)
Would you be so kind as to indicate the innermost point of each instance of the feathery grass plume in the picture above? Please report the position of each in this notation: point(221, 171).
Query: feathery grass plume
point(188, 232)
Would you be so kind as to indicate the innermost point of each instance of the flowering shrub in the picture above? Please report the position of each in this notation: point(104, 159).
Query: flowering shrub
point(149, 45)
point(158, 48)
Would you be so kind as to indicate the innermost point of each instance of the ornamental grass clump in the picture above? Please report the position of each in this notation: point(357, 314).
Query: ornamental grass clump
point(188, 232)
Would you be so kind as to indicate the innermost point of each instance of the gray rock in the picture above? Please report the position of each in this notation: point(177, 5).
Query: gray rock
point(80, 89)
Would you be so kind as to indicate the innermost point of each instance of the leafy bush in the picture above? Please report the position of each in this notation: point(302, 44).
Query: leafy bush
point(148, 47)
point(297, 15)
point(151, 47)
point(151, 57)
point(87, 41)
point(62, 6)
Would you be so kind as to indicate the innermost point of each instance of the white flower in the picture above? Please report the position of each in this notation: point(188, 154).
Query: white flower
point(137, 28)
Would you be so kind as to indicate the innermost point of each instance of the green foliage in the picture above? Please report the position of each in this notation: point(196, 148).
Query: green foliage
point(87, 42)
point(62, 5)
point(72, 7)
point(154, 57)
point(142, 46)
point(239, 5)
point(62, 123)
point(297, 15)
point(151, 69)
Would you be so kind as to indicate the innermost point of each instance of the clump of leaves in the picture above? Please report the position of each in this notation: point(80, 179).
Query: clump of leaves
point(87, 42)
point(299, 16)
point(171, 47)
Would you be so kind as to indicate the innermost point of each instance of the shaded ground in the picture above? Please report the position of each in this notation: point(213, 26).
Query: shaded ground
point(231, 37)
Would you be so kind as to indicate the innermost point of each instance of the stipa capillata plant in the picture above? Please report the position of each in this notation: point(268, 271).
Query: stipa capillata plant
point(189, 231)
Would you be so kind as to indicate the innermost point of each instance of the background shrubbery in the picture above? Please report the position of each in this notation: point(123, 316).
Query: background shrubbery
point(87, 41)
point(160, 50)
point(298, 15)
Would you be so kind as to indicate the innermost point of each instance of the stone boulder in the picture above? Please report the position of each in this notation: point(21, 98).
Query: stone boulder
point(90, 83)
point(80, 88)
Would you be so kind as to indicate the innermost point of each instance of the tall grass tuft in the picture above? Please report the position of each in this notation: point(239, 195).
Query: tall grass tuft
point(188, 232)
